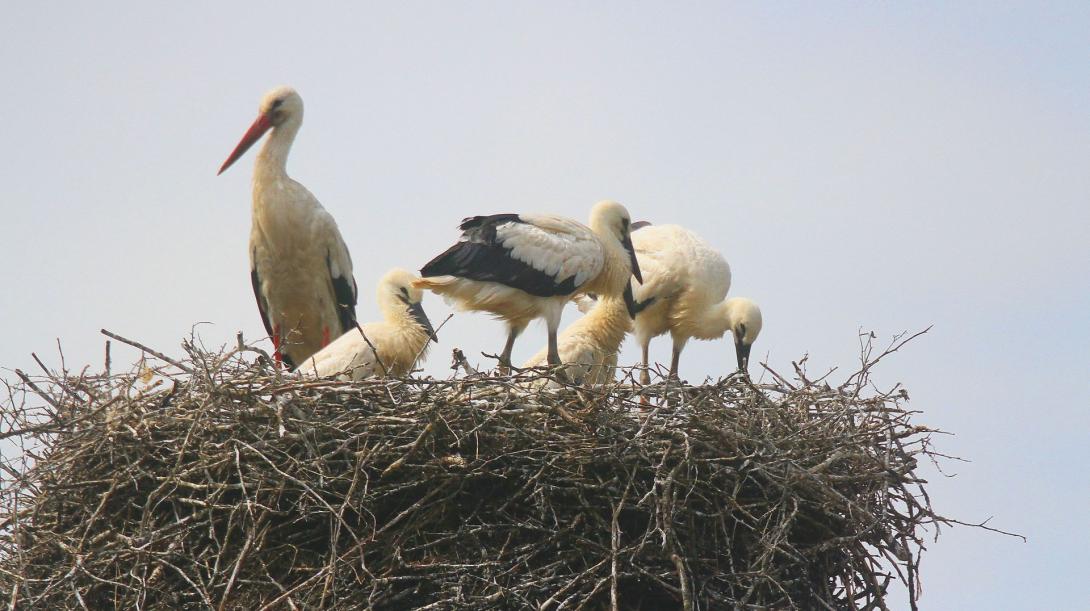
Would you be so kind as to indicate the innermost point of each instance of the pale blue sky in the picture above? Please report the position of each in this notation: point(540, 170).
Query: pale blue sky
point(861, 166)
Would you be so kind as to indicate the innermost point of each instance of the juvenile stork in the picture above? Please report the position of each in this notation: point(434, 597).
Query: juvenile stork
point(588, 347)
point(391, 346)
point(686, 283)
point(519, 267)
point(299, 265)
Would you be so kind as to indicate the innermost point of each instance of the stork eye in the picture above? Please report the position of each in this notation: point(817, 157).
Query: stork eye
point(405, 291)
point(276, 103)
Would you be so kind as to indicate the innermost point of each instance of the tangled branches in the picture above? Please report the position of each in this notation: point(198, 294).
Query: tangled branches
point(232, 486)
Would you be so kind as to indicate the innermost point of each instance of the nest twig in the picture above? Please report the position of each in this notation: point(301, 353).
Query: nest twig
point(235, 487)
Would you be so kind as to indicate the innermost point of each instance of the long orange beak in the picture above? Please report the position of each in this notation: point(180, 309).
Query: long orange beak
point(252, 135)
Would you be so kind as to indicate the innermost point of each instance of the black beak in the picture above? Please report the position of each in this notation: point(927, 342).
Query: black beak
point(417, 312)
point(630, 301)
point(741, 350)
point(627, 243)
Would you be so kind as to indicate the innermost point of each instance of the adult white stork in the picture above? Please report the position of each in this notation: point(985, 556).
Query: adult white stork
point(520, 267)
point(299, 265)
point(686, 281)
point(390, 346)
point(588, 347)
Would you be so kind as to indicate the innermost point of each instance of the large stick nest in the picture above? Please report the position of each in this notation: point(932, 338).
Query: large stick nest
point(233, 486)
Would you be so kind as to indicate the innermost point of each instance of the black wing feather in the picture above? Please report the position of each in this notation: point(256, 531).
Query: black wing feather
point(344, 291)
point(255, 281)
point(478, 256)
point(635, 307)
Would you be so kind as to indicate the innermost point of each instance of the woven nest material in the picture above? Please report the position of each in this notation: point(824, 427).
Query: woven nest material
point(234, 486)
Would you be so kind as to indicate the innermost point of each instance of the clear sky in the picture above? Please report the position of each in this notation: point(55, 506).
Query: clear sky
point(862, 166)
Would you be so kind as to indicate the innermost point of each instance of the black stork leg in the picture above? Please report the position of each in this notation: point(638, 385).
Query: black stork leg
point(554, 358)
point(554, 352)
point(505, 356)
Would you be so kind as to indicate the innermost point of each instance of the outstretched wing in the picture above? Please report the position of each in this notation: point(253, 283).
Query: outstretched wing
point(542, 255)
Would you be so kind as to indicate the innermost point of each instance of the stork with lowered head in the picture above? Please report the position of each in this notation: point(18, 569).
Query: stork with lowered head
point(685, 294)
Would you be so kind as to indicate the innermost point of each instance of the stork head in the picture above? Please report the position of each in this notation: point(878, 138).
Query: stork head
point(279, 106)
point(398, 298)
point(609, 218)
point(745, 322)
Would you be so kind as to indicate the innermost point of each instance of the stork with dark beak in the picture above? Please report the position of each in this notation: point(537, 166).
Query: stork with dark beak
point(685, 294)
point(520, 267)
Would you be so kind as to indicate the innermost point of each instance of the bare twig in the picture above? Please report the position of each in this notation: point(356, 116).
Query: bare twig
point(155, 353)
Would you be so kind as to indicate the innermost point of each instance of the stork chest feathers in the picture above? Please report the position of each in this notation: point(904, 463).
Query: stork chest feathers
point(615, 271)
point(606, 324)
point(286, 218)
point(404, 340)
point(286, 249)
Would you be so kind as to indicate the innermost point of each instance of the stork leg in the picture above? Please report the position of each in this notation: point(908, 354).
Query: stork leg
point(675, 358)
point(554, 354)
point(325, 336)
point(505, 356)
point(277, 355)
point(645, 375)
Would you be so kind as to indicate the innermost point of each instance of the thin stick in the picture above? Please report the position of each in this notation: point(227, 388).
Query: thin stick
point(154, 353)
point(41, 393)
point(374, 351)
point(683, 577)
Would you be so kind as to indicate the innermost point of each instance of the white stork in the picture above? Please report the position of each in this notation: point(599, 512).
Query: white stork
point(525, 266)
point(686, 282)
point(588, 347)
point(399, 339)
point(299, 265)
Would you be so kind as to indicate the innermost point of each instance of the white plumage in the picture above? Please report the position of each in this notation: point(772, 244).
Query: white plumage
point(559, 247)
point(519, 267)
point(588, 347)
point(400, 338)
point(685, 284)
point(300, 268)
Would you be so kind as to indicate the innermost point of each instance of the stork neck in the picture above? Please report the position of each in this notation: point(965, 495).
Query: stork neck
point(398, 317)
point(610, 322)
point(615, 272)
point(715, 321)
point(272, 159)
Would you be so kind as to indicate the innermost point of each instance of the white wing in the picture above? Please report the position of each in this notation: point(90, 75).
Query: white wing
point(557, 246)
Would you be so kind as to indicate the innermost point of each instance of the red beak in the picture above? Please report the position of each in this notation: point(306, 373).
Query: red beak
point(252, 135)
